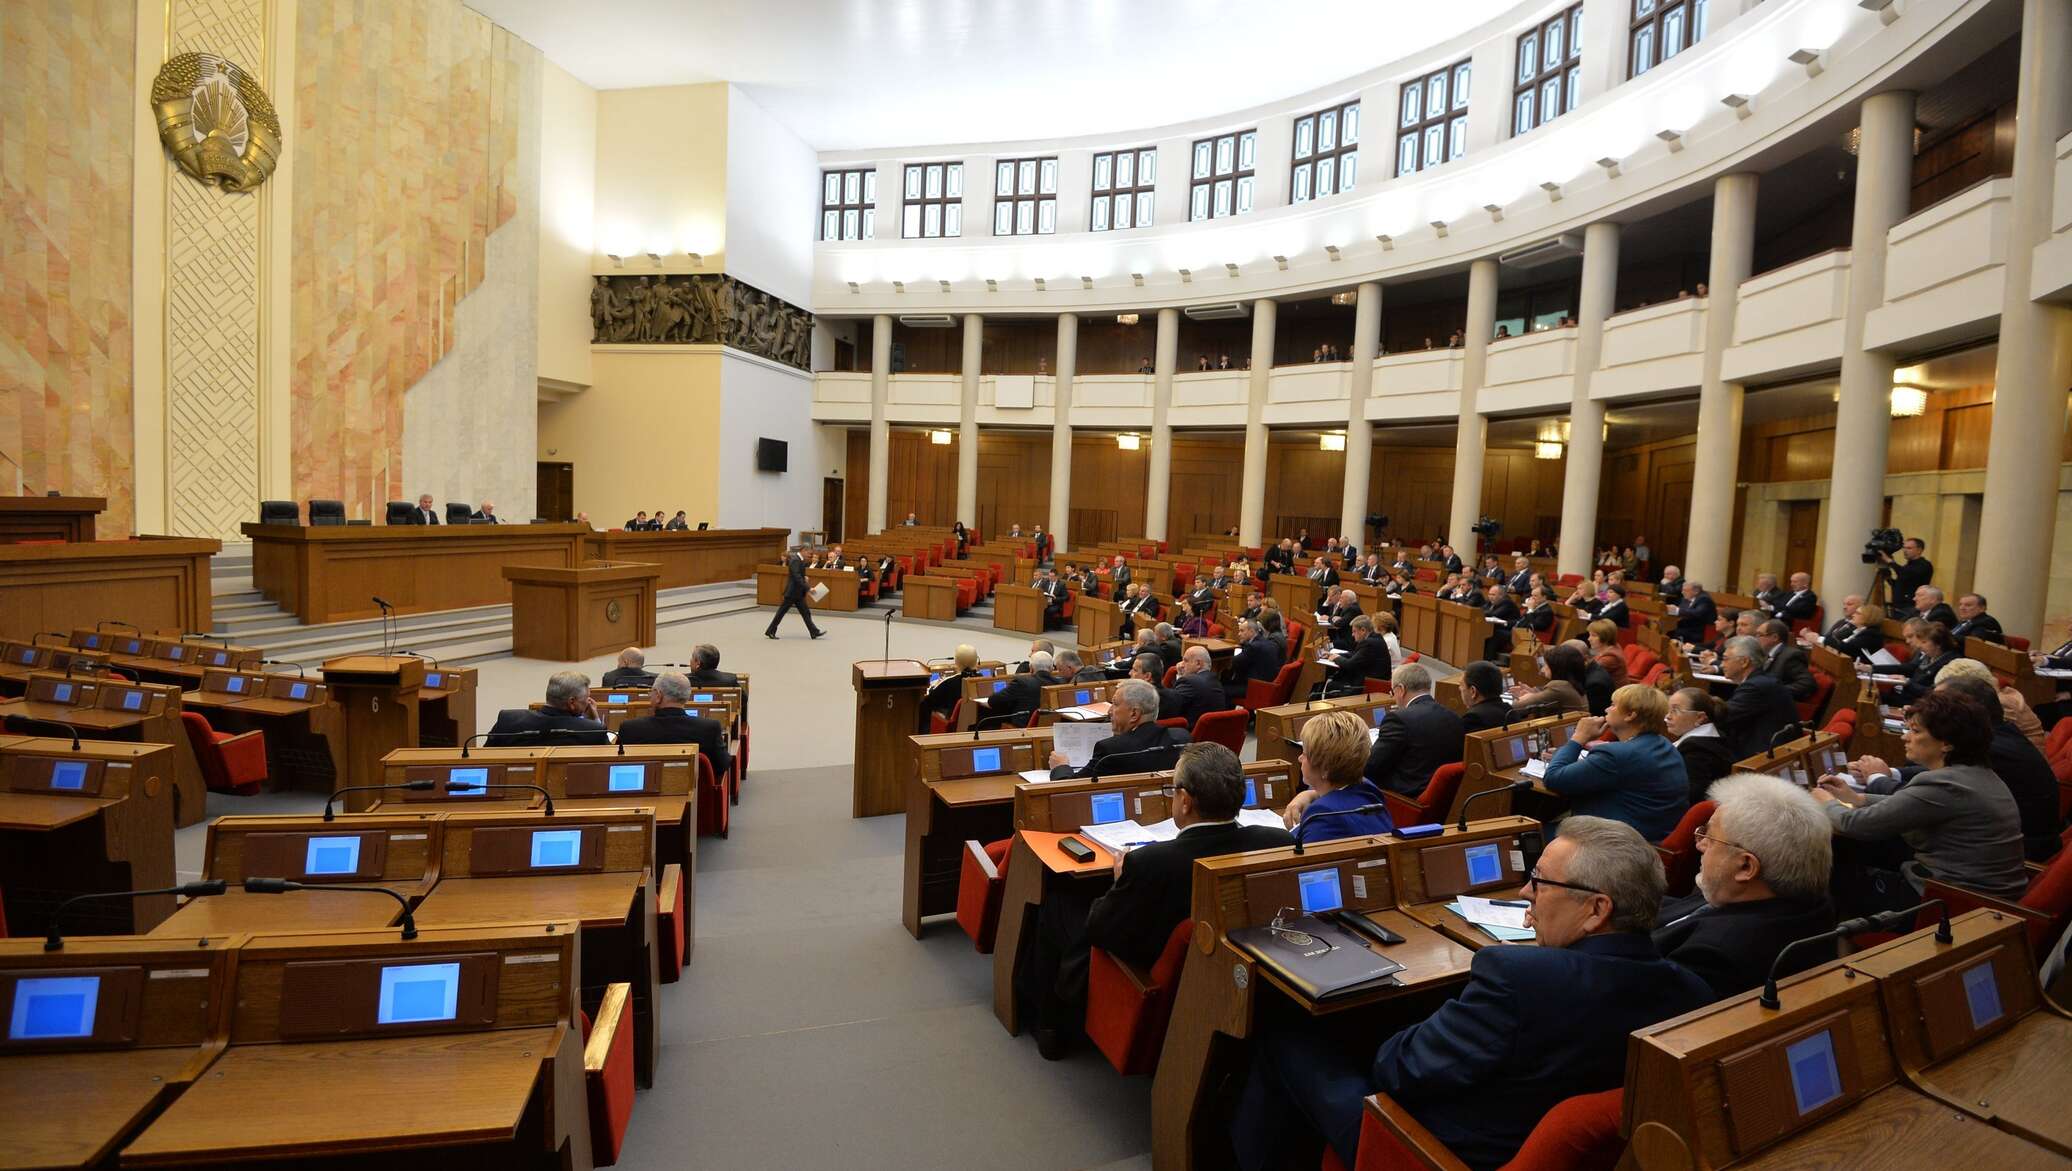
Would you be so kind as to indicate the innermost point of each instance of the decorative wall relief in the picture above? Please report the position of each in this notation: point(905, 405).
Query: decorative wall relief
point(699, 310)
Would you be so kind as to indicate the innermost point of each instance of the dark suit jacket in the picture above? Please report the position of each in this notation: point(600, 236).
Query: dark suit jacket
point(1694, 618)
point(1453, 564)
point(1144, 748)
point(1538, 621)
point(1120, 575)
point(1799, 607)
point(795, 579)
point(1788, 666)
point(1860, 643)
point(1614, 612)
point(1731, 947)
point(1597, 687)
point(714, 678)
point(1262, 659)
point(1985, 626)
point(1921, 671)
point(1772, 600)
point(1490, 713)
point(1912, 576)
point(1022, 695)
point(478, 518)
point(1146, 605)
point(1411, 744)
point(1279, 560)
point(944, 695)
point(1941, 612)
point(1054, 595)
point(1132, 921)
point(1193, 696)
point(1519, 582)
point(1342, 625)
point(552, 727)
point(1706, 759)
point(2027, 775)
point(422, 516)
point(1369, 660)
point(670, 725)
point(1759, 708)
point(1534, 1025)
point(628, 677)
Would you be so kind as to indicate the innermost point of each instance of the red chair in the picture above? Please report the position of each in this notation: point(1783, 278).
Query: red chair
point(2048, 903)
point(1171, 673)
point(1126, 1013)
point(1816, 623)
point(608, 1072)
point(230, 762)
point(980, 884)
point(1655, 675)
point(1226, 728)
point(1578, 1134)
point(938, 723)
point(1842, 724)
point(1823, 687)
point(1412, 657)
point(1173, 722)
point(1374, 686)
point(1261, 694)
point(1638, 660)
point(671, 923)
point(1430, 805)
point(1679, 850)
point(2060, 736)
point(2016, 642)
point(715, 814)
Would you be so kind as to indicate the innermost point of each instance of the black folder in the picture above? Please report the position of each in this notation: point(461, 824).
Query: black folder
point(1337, 963)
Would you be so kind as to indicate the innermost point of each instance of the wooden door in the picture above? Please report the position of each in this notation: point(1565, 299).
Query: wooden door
point(1801, 535)
point(832, 496)
point(554, 491)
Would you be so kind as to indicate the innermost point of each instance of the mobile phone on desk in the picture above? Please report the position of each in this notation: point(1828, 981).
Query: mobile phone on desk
point(1077, 850)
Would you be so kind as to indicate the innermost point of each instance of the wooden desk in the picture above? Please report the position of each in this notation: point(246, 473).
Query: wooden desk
point(49, 518)
point(330, 573)
point(1495, 757)
point(691, 558)
point(1018, 607)
point(1432, 872)
point(1296, 594)
point(113, 832)
point(157, 583)
point(305, 738)
point(1461, 633)
point(843, 587)
point(446, 707)
point(575, 612)
point(1418, 624)
point(1098, 620)
point(397, 850)
point(130, 713)
point(1275, 726)
point(888, 709)
point(379, 694)
point(930, 597)
point(948, 802)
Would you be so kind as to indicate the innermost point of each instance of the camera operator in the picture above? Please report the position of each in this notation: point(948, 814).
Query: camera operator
point(1910, 571)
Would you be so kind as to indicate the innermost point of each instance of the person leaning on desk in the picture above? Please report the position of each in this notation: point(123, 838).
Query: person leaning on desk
point(1637, 777)
point(1139, 745)
point(570, 717)
point(942, 698)
point(1334, 751)
point(1533, 1025)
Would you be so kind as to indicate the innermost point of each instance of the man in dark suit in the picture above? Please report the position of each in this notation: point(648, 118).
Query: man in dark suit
point(1203, 595)
point(794, 595)
point(705, 670)
point(1784, 661)
point(1450, 559)
point(1934, 649)
point(1910, 574)
point(678, 523)
point(1023, 694)
point(1760, 709)
point(1368, 659)
point(1534, 1025)
point(1695, 614)
point(1167, 644)
point(1671, 585)
point(1149, 898)
point(1503, 614)
point(1482, 690)
point(1141, 601)
point(1520, 580)
point(672, 725)
point(1323, 575)
point(1763, 864)
point(639, 522)
point(1801, 603)
point(569, 717)
point(1138, 745)
point(1929, 606)
point(485, 515)
point(1418, 735)
point(1280, 557)
point(1054, 595)
point(1337, 617)
point(1613, 609)
point(1769, 596)
point(1258, 657)
point(1974, 622)
point(1195, 691)
point(1119, 573)
point(630, 672)
point(424, 513)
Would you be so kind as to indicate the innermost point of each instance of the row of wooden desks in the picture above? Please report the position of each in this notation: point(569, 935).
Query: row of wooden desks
point(75, 821)
point(114, 710)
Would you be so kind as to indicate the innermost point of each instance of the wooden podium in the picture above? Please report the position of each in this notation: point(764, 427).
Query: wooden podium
point(929, 597)
point(1018, 607)
point(379, 695)
point(888, 708)
point(1099, 619)
point(49, 518)
point(595, 608)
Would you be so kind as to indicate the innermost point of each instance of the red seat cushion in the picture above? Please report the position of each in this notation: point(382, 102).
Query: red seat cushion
point(1126, 1016)
point(980, 883)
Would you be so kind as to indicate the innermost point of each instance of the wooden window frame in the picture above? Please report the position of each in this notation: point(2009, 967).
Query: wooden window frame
point(952, 169)
point(1651, 16)
point(1103, 196)
point(1305, 166)
point(1455, 111)
point(1236, 176)
point(1567, 71)
point(865, 205)
point(1035, 200)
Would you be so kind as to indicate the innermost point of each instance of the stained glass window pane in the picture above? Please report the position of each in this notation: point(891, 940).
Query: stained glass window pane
point(1222, 197)
point(1003, 179)
point(1672, 32)
point(955, 186)
point(1406, 154)
point(1435, 93)
point(1528, 58)
point(1122, 211)
point(849, 231)
point(953, 220)
point(910, 221)
point(1122, 171)
point(1101, 213)
point(829, 229)
point(1457, 138)
point(1348, 166)
point(1026, 181)
point(1047, 216)
point(1553, 39)
point(1643, 50)
point(832, 189)
point(1349, 126)
point(1147, 167)
point(1223, 155)
point(1698, 14)
point(1434, 145)
point(1003, 218)
point(870, 223)
point(1522, 116)
point(931, 219)
point(913, 182)
point(1024, 217)
point(1550, 99)
point(1575, 33)
point(1413, 104)
point(1327, 130)
point(1244, 195)
point(1462, 73)
point(1247, 144)
point(1201, 159)
point(1198, 203)
point(1143, 209)
point(1301, 182)
point(870, 187)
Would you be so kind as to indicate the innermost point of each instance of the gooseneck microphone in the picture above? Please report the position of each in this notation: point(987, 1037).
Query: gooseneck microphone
point(1461, 823)
point(54, 939)
point(1375, 807)
point(281, 886)
point(484, 737)
point(431, 786)
point(1882, 921)
point(299, 672)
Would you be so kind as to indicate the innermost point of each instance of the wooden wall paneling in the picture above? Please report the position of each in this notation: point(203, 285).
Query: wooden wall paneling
point(1213, 340)
point(856, 491)
point(1305, 488)
point(1207, 482)
point(1013, 480)
point(1302, 326)
point(1413, 487)
point(1108, 490)
point(1019, 345)
point(1972, 153)
point(930, 351)
point(1108, 347)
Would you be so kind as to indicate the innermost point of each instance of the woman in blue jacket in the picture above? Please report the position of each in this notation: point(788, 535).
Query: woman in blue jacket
point(1637, 777)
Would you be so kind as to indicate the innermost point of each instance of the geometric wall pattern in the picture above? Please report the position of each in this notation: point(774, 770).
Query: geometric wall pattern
point(67, 139)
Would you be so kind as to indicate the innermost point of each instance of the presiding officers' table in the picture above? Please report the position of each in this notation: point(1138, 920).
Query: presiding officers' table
point(331, 573)
point(152, 583)
point(49, 518)
point(694, 557)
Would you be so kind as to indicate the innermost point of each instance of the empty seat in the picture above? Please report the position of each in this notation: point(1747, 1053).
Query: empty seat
point(1226, 728)
point(1127, 1011)
point(327, 512)
point(980, 884)
point(608, 1072)
point(230, 762)
point(1430, 805)
point(279, 512)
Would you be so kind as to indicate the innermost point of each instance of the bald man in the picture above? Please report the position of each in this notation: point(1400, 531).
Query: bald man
point(1195, 691)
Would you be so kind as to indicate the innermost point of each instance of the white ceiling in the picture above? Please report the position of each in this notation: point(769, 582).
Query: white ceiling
point(859, 74)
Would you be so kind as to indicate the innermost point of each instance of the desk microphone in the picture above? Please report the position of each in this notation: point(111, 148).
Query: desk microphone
point(388, 641)
point(421, 655)
point(281, 886)
point(1461, 823)
point(1377, 807)
point(299, 673)
point(546, 803)
point(107, 622)
point(1111, 758)
point(1882, 921)
point(1797, 728)
point(88, 666)
point(54, 940)
point(484, 737)
point(887, 652)
point(64, 640)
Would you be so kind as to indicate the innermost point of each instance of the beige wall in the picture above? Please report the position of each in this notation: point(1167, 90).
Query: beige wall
point(568, 195)
point(662, 176)
point(644, 436)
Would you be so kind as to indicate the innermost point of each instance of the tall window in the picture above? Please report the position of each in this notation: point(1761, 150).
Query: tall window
point(1025, 197)
point(934, 203)
point(849, 204)
point(1432, 126)
point(1327, 153)
point(1221, 182)
point(1661, 30)
point(1550, 71)
point(1123, 183)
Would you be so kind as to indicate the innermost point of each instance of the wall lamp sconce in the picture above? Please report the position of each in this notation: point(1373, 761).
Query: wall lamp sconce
point(1041, 287)
point(1810, 58)
point(1611, 167)
point(656, 257)
point(697, 261)
point(944, 285)
point(1231, 269)
point(1331, 250)
point(853, 288)
point(1739, 103)
point(1186, 276)
point(1887, 10)
point(1137, 279)
point(1387, 242)
point(1553, 191)
point(1439, 226)
point(1673, 137)
point(1280, 262)
point(899, 286)
point(618, 261)
point(1086, 282)
point(1496, 212)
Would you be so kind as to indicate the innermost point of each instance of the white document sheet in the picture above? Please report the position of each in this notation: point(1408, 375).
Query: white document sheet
point(1490, 912)
point(1119, 837)
point(1076, 739)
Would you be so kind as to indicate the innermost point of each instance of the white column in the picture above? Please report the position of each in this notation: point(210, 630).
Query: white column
point(1359, 433)
point(1251, 508)
point(1160, 487)
point(967, 422)
point(1719, 402)
point(2019, 513)
point(1473, 438)
point(1579, 486)
point(881, 431)
point(1863, 415)
point(1061, 430)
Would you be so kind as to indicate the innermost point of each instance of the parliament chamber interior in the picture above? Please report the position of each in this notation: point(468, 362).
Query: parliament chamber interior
point(1545, 644)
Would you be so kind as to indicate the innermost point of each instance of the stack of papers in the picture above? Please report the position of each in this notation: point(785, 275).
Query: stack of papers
point(2054, 672)
point(1535, 768)
point(1035, 775)
point(1504, 924)
point(1120, 837)
point(1265, 817)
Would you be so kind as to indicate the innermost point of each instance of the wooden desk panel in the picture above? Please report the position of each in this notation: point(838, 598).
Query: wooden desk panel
point(49, 518)
point(73, 1109)
point(234, 911)
point(933, 598)
point(1018, 607)
point(694, 557)
point(331, 573)
point(54, 846)
point(564, 614)
point(156, 583)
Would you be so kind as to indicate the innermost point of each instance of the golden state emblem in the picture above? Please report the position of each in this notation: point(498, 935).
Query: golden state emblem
point(216, 121)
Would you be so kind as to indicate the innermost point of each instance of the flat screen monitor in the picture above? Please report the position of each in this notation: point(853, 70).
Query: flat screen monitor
point(434, 679)
point(934, 677)
point(1509, 751)
point(771, 455)
point(1318, 890)
point(1251, 793)
point(330, 855)
point(133, 701)
point(26, 655)
point(1107, 807)
point(418, 993)
point(1485, 863)
point(298, 691)
point(61, 692)
point(131, 646)
point(1082, 697)
point(1982, 994)
point(999, 685)
point(54, 1008)
point(467, 781)
point(1380, 714)
point(626, 778)
point(985, 760)
point(218, 658)
point(176, 653)
point(556, 848)
point(618, 697)
point(235, 684)
point(68, 774)
point(1815, 1080)
point(92, 643)
point(704, 697)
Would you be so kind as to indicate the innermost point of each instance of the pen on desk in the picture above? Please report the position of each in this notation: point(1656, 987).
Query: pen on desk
point(1509, 903)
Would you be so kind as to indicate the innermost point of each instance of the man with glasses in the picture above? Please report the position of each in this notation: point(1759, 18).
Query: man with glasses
point(1763, 861)
point(1533, 1025)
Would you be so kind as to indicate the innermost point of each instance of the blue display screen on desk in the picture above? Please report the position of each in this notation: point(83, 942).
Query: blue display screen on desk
point(704, 697)
point(61, 693)
point(332, 855)
point(434, 679)
point(1082, 697)
point(298, 691)
point(131, 646)
point(1251, 793)
point(1319, 890)
point(26, 655)
point(53, 1008)
point(626, 778)
point(93, 642)
point(218, 658)
point(176, 653)
point(618, 697)
point(1815, 1081)
point(1982, 994)
point(469, 781)
point(133, 702)
point(1107, 807)
point(985, 760)
point(1380, 714)
point(999, 685)
point(1485, 863)
point(235, 684)
point(556, 847)
point(417, 993)
point(68, 774)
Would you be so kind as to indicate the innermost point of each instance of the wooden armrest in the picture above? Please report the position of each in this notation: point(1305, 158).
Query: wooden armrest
point(1139, 978)
point(1959, 900)
point(241, 737)
point(975, 850)
point(1411, 1135)
point(611, 1014)
point(672, 882)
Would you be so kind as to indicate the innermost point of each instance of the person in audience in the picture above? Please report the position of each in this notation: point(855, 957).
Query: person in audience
point(1054, 596)
point(1768, 595)
point(1597, 682)
point(1502, 614)
point(909, 522)
point(1760, 709)
point(1195, 691)
point(1693, 726)
point(1763, 860)
point(942, 697)
point(1694, 612)
point(1520, 580)
point(1912, 571)
point(1533, 1025)
point(1419, 735)
point(630, 672)
point(1089, 581)
point(485, 515)
point(1367, 659)
point(1145, 367)
point(424, 513)
point(1563, 692)
point(1800, 602)
point(1194, 620)
point(1280, 556)
point(1450, 559)
point(1276, 627)
point(1974, 622)
point(1141, 601)
point(1324, 576)
point(1044, 543)
point(1011, 705)
point(1334, 750)
point(1783, 661)
point(1539, 611)
point(1336, 616)
point(2013, 707)
point(1957, 818)
point(678, 523)
point(1385, 630)
point(1203, 593)
point(1934, 649)
point(1671, 585)
point(1613, 609)
point(569, 717)
point(639, 522)
point(1372, 571)
point(1070, 668)
point(705, 671)
point(1139, 743)
point(1635, 777)
point(1865, 635)
point(1119, 573)
point(1482, 693)
point(1150, 895)
point(1258, 657)
point(1602, 638)
point(1838, 633)
point(1166, 644)
point(671, 724)
point(1929, 606)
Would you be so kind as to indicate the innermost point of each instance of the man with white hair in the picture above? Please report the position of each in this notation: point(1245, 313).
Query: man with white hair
point(568, 717)
point(1023, 693)
point(631, 671)
point(1930, 607)
point(1761, 708)
point(1139, 744)
point(673, 724)
point(1763, 861)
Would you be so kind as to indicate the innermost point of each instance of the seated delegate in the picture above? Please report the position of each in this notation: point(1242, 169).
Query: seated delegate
point(569, 717)
point(1334, 751)
point(631, 670)
point(671, 724)
point(1139, 744)
point(1417, 736)
point(1694, 729)
point(1482, 693)
point(1636, 777)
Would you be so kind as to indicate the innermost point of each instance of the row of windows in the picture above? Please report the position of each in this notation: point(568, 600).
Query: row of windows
point(1431, 130)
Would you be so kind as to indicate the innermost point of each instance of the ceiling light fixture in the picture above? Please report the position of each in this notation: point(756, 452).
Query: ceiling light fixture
point(1331, 441)
point(1810, 58)
point(1887, 11)
point(1280, 262)
point(1127, 318)
point(1348, 297)
point(899, 286)
point(1186, 276)
point(618, 261)
point(1231, 269)
point(1741, 104)
point(1331, 250)
point(1610, 165)
point(1086, 282)
point(939, 438)
point(1496, 212)
point(1387, 242)
point(1129, 441)
point(697, 259)
point(1137, 279)
point(1439, 226)
point(1546, 449)
point(1673, 137)
point(1553, 191)
point(656, 257)
point(1909, 402)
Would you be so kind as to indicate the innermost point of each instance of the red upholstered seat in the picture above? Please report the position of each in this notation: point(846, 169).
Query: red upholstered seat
point(1225, 728)
point(2049, 896)
point(230, 762)
point(608, 1072)
point(1430, 805)
point(1261, 694)
point(1171, 673)
point(1816, 623)
point(1823, 687)
point(670, 923)
point(2060, 737)
point(714, 813)
point(967, 592)
point(1578, 1134)
point(1374, 686)
point(980, 884)
point(1900, 650)
point(1126, 1012)
point(1679, 850)
point(1656, 674)
point(1173, 722)
point(1638, 660)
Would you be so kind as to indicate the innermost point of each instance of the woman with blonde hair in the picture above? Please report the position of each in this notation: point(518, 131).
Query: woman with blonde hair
point(1637, 777)
point(1334, 763)
point(1603, 635)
